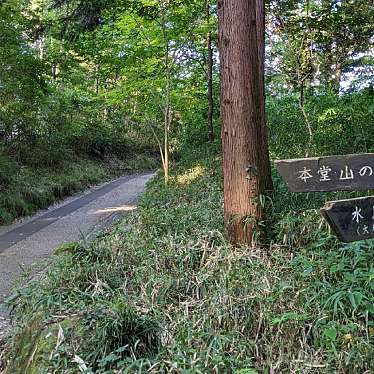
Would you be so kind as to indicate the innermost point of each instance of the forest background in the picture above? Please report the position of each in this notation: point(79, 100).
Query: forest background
point(88, 83)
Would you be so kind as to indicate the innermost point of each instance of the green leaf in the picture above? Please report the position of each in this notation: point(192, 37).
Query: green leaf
point(289, 316)
point(246, 371)
point(331, 333)
point(358, 296)
point(352, 300)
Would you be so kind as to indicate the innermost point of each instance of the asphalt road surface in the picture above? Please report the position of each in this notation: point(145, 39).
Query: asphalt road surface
point(34, 240)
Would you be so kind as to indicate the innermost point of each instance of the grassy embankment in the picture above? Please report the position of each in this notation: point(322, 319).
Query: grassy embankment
point(165, 292)
point(26, 188)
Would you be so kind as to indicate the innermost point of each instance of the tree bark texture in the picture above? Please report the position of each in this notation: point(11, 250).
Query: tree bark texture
point(210, 79)
point(242, 118)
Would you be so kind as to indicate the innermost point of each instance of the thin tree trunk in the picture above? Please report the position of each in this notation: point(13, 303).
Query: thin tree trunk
point(327, 63)
point(338, 76)
point(265, 159)
point(166, 131)
point(167, 104)
point(40, 44)
point(54, 72)
point(97, 81)
point(309, 148)
point(210, 79)
point(242, 126)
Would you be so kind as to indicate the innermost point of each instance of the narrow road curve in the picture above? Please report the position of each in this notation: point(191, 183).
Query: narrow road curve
point(22, 245)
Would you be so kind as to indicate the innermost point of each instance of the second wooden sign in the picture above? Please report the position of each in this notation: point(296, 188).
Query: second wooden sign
point(352, 219)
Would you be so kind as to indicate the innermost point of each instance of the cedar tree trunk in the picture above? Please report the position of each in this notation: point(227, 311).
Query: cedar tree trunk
point(242, 118)
point(260, 16)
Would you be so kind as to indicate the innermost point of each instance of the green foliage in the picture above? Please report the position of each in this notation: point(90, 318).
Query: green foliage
point(8, 169)
point(54, 100)
point(195, 304)
point(35, 188)
point(164, 291)
point(56, 113)
point(319, 44)
point(340, 125)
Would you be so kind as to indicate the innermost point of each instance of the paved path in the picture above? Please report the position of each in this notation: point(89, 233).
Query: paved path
point(31, 241)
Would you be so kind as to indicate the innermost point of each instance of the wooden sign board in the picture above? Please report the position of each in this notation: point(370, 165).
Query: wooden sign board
point(351, 220)
point(332, 173)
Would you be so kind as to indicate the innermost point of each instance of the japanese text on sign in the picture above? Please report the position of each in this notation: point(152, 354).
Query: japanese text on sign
point(351, 219)
point(333, 173)
point(324, 173)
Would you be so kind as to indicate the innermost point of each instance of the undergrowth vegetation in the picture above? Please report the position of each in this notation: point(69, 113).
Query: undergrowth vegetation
point(88, 91)
point(340, 125)
point(25, 189)
point(165, 292)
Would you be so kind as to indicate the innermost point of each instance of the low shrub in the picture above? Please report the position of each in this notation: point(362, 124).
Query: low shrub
point(8, 170)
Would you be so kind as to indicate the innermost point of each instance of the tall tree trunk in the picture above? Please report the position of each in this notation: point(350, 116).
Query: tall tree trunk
point(242, 119)
point(310, 146)
point(167, 122)
point(266, 167)
point(210, 79)
point(167, 117)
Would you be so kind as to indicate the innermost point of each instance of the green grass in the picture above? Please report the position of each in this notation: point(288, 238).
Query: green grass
point(25, 189)
point(165, 292)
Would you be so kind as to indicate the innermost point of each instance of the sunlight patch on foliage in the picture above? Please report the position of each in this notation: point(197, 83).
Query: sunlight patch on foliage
point(191, 175)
